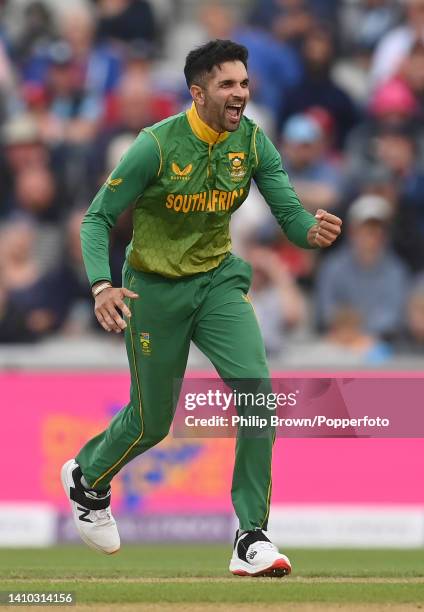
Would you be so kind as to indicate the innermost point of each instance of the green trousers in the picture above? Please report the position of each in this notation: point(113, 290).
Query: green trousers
point(212, 310)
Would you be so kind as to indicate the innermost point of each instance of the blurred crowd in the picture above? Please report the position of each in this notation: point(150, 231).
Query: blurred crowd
point(337, 85)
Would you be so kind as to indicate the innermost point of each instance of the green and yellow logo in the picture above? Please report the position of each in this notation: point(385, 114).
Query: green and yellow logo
point(181, 175)
point(112, 184)
point(145, 343)
point(237, 165)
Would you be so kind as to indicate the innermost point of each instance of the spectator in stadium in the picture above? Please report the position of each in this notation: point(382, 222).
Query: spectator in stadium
point(316, 178)
point(254, 223)
point(351, 72)
point(362, 25)
point(37, 104)
point(139, 80)
point(20, 277)
point(40, 307)
point(365, 22)
point(68, 273)
point(375, 179)
point(279, 304)
point(137, 101)
point(126, 20)
point(399, 151)
point(274, 68)
point(36, 194)
point(288, 20)
point(378, 180)
point(30, 165)
point(36, 32)
point(18, 266)
point(317, 87)
point(8, 81)
point(392, 106)
point(96, 66)
point(22, 149)
point(346, 334)
point(67, 116)
point(413, 339)
point(365, 274)
point(412, 73)
point(396, 151)
point(76, 110)
point(397, 43)
point(135, 105)
point(13, 325)
point(393, 103)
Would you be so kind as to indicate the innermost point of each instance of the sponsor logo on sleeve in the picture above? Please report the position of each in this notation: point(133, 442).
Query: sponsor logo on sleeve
point(112, 184)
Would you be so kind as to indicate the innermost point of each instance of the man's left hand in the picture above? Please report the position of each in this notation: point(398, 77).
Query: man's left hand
point(326, 231)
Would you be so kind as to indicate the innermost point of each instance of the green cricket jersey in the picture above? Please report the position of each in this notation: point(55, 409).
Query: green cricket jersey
point(185, 181)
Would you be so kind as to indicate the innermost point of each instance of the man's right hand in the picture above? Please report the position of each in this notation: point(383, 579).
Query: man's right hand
point(107, 306)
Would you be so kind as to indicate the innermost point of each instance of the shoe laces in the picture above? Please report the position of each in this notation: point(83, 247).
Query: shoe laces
point(101, 517)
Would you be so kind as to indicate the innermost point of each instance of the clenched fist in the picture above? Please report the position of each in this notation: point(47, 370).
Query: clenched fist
point(326, 231)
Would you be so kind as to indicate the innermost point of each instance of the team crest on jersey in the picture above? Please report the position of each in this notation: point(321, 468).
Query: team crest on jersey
point(146, 349)
point(181, 174)
point(237, 165)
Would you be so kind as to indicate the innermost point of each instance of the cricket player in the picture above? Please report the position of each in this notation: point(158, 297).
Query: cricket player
point(185, 177)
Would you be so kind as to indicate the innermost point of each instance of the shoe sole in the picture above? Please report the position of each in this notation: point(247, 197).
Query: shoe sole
point(65, 473)
point(278, 569)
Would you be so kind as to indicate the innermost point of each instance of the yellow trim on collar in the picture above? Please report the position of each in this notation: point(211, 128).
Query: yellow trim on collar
point(202, 129)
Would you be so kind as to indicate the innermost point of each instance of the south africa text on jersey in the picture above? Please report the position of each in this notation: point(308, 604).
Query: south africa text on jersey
point(206, 201)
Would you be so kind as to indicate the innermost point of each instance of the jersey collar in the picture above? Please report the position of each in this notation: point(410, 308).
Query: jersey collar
point(202, 130)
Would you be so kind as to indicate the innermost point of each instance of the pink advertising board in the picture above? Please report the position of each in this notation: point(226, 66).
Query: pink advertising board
point(46, 417)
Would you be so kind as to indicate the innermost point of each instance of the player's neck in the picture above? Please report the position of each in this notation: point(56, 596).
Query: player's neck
point(202, 129)
point(203, 116)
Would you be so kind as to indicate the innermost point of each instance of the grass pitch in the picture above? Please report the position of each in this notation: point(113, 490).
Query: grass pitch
point(181, 578)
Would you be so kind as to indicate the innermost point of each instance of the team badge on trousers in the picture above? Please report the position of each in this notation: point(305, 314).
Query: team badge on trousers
point(145, 343)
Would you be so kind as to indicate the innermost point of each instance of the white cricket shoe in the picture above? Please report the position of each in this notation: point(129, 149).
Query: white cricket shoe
point(91, 511)
point(255, 555)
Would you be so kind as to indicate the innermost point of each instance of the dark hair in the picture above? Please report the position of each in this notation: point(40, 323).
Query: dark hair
point(202, 60)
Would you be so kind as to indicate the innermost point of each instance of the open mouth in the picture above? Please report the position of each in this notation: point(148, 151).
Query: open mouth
point(234, 111)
